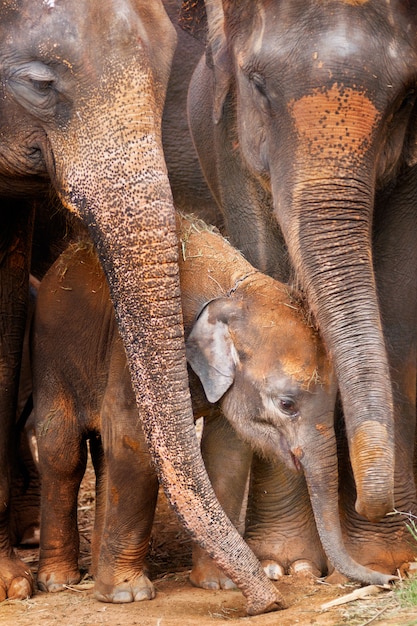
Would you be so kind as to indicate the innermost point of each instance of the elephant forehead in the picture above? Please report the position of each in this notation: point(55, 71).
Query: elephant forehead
point(338, 121)
point(290, 348)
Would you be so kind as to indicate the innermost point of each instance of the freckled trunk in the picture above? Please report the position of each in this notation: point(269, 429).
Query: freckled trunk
point(320, 467)
point(125, 198)
point(330, 241)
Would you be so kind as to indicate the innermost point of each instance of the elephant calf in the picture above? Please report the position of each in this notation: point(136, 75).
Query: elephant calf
point(269, 385)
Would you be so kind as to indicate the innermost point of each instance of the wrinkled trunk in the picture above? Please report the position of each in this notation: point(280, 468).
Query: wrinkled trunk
point(320, 467)
point(125, 198)
point(330, 243)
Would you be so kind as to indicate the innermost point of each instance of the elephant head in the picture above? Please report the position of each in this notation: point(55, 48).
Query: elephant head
point(317, 101)
point(82, 91)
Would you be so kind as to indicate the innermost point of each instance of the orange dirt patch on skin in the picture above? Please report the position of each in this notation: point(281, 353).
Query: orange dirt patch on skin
point(372, 436)
point(354, 2)
point(128, 442)
point(324, 430)
point(336, 123)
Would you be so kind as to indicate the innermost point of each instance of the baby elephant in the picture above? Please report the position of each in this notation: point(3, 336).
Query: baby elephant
point(268, 388)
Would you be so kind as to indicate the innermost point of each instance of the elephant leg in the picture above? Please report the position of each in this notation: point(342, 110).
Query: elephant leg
point(62, 462)
point(129, 490)
point(227, 459)
point(15, 242)
point(281, 529)
point(97, 457)
point(25, 495)
point(387, 546)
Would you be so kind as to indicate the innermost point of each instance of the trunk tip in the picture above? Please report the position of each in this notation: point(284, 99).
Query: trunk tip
point(273, 601)
point(374, 512)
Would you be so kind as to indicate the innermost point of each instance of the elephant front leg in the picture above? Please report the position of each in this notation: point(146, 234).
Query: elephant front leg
point(227, 461)
point(127, 510)
point(15, 241)
point(61, 474)
point(281, 529)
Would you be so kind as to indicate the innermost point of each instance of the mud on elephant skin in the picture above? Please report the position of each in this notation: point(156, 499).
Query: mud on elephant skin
point(255, 354)
point(83, 85)
point(318, 142)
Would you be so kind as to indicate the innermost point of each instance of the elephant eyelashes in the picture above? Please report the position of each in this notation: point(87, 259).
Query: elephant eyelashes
point(259, 83)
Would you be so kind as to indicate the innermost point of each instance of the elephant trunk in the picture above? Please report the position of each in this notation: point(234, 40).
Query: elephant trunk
point(330, 243)
point(121, 190)
point(322, 482)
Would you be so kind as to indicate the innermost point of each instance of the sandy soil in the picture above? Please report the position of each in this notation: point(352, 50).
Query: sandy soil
point(179, 604)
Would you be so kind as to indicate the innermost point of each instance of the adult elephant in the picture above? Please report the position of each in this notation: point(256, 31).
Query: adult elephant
point(82, 90)
point(304, 118)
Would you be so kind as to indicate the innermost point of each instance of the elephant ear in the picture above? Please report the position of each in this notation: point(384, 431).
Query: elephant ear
point(205, 20)
point(210, 349)
point(411, 148)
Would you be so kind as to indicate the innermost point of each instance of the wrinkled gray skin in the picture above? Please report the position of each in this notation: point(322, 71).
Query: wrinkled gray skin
point(82, 91)
point(304, 118)
point(189, 186)
point(253, 351)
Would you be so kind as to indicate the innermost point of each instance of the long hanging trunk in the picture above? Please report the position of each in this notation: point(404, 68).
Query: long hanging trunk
point(125, 199)
point(320, 468)
point(330, 243)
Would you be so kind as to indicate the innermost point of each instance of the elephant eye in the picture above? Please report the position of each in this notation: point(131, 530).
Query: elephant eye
point(42, 85)
point(408, 101)
point(288, 406)
point(258, 81)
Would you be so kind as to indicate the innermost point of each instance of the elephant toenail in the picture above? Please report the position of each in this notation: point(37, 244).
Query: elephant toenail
point(274, 571)
point(122, 597)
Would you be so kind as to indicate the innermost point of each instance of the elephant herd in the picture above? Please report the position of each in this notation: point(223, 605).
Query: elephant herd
point(292, 126)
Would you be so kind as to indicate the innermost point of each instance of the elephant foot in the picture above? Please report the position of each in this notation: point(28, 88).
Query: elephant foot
point(54, 581)
point(205, 573)
point(302, 568)
point(136, 589)
point(388, 557)
point(16, 581)
point(387, 547)
point(282, 552)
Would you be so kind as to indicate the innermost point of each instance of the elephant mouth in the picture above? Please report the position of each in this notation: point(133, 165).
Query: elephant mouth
point(296, 462)
point(290, 456)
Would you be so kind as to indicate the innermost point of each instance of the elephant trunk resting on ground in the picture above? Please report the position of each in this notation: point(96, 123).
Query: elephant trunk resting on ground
point(250, 345)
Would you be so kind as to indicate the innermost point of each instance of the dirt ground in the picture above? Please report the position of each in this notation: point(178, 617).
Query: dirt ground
point(177, 603)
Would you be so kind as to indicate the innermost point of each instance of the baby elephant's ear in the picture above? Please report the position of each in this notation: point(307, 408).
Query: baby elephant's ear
point(210, 349)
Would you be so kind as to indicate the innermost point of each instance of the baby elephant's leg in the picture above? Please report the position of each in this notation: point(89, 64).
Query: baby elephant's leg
point(227, 461)
point(281, 529)
point(62, 461)
point(129, 493)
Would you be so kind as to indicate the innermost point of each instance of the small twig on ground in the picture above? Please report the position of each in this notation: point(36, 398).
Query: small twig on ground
point(358, 594)
point(80, 587)
point(375, 616)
